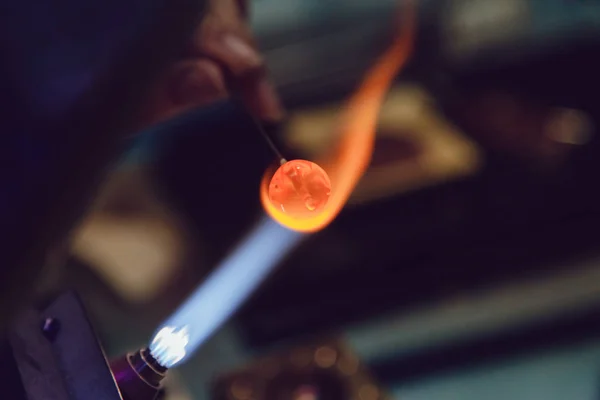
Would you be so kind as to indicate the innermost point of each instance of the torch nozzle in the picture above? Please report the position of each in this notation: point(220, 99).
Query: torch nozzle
point(138, 375)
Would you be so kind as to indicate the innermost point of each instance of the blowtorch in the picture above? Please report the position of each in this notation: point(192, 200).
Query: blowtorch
point(54, 354)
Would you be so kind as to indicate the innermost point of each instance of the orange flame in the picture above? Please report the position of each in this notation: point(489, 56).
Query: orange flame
point(358, 129)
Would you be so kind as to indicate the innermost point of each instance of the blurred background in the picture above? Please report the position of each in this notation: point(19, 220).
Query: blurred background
point(467, 265)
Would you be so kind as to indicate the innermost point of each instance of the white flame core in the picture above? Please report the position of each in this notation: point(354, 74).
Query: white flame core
point(169, 345)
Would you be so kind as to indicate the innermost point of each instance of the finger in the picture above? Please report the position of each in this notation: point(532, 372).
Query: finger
point(194, 83)
point(187, 85)
point(235, 54)
point(261, 98)
point(243, 7)
point(245, 73)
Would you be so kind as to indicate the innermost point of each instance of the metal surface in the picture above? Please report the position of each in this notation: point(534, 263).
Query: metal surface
point(80, 358)
point(39, 373)
point(69, 364)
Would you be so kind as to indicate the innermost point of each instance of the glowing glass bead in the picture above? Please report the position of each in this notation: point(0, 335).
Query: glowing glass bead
point(300, 188)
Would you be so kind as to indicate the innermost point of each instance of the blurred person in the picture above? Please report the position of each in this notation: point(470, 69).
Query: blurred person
point(221, 57)
point(130, 233)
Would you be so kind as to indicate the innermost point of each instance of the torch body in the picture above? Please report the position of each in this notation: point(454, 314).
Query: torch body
point(138, 375)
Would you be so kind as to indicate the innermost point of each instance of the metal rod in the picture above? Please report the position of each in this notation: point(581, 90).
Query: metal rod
point(268, 139)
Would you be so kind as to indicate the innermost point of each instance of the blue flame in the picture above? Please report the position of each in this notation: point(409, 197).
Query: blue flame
point(222, 293)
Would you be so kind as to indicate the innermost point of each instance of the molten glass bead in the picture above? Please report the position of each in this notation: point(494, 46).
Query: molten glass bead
point(300, 188)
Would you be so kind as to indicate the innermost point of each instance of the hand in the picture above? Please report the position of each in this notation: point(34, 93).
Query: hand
point(222, 58)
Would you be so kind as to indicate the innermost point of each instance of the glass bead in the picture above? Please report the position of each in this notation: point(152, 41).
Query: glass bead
point(300, 188)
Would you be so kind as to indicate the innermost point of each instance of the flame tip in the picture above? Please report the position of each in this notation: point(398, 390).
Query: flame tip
point(359, 123)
